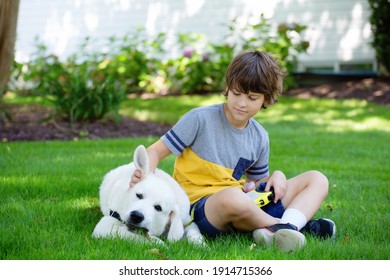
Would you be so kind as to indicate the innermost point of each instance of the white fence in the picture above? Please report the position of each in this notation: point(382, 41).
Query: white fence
point(339, 31)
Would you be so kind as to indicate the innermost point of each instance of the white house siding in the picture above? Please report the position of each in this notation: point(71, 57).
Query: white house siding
point(339, 31)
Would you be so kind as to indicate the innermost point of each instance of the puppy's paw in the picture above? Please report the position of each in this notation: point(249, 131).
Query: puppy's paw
point(157, 241)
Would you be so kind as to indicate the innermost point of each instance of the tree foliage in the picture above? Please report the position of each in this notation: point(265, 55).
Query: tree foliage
point(380, 24)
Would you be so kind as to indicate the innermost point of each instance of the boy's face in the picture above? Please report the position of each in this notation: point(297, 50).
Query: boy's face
point(240, 107)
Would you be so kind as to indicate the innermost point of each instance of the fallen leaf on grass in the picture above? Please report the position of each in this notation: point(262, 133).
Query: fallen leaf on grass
point(329, 207)
point(156, 252)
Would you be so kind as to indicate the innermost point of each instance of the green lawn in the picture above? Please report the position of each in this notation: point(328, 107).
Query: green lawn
point(49, 190)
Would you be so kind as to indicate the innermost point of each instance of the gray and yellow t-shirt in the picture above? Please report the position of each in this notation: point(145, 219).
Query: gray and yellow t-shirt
point(213, 155)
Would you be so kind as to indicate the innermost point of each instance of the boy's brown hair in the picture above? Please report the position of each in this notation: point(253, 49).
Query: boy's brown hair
point(255, 71)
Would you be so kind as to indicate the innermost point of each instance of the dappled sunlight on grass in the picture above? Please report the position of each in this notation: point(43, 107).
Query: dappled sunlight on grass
point(368, 124)
point(26, 180)
point(14, 98)
point(213, 99)
point(82, 203)
point(96, 157)
point(331, 115)
point(166, 109)
point(139, 115)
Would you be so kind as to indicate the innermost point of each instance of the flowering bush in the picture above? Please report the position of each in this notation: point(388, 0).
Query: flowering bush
point(89, 84)
point(133, 60)
point(199, 67)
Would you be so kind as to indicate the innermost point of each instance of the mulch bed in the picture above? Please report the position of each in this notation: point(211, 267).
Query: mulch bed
point(27, 125)
point(370, 89)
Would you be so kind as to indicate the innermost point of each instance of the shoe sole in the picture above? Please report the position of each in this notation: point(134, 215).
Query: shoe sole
point(261, 237)
point(288, 240)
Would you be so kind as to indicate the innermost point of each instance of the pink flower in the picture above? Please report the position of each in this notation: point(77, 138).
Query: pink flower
point(187, 52)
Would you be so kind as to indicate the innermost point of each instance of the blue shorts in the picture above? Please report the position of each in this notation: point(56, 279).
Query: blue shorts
point(207, 229)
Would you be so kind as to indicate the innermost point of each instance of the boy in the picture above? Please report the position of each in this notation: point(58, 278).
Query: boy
point(217, 145)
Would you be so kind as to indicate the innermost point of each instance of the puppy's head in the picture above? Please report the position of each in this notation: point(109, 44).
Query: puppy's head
point(153, 207)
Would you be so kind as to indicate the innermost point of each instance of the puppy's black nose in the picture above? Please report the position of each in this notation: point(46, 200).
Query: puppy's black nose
point(136, 217)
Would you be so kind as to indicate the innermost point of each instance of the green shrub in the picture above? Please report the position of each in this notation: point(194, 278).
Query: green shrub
point(77, 89)
point(133, 60)
point(380, 22)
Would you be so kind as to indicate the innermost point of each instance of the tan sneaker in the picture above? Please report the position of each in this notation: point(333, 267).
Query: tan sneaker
point(285, 236)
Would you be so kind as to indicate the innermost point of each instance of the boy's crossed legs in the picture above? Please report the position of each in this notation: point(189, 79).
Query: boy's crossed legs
point(233, 208)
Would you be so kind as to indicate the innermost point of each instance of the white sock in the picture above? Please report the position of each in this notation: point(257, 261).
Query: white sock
point(294, 217)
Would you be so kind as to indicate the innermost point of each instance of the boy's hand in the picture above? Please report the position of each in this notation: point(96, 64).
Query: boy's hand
point(135, 178)
point(278, 182)
point(249, 186)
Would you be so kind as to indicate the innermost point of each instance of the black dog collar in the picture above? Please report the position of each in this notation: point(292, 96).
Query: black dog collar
point(116, 215)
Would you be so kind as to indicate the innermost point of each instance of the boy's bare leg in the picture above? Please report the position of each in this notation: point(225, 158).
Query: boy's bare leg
point(233, 207)
point(306, 192)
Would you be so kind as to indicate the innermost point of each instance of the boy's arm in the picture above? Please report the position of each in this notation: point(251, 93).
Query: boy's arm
point(157, 152)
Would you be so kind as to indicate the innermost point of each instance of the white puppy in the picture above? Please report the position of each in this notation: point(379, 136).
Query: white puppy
point(157, 205)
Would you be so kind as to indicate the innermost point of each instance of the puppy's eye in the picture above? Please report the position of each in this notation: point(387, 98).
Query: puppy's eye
point(140, 195)
point(158, 208)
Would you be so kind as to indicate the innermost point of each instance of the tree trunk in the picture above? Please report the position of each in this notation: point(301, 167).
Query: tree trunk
point(8, 20)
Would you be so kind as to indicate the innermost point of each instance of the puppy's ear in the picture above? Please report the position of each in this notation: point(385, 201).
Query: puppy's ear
point(176, 230)
point(141, 160)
